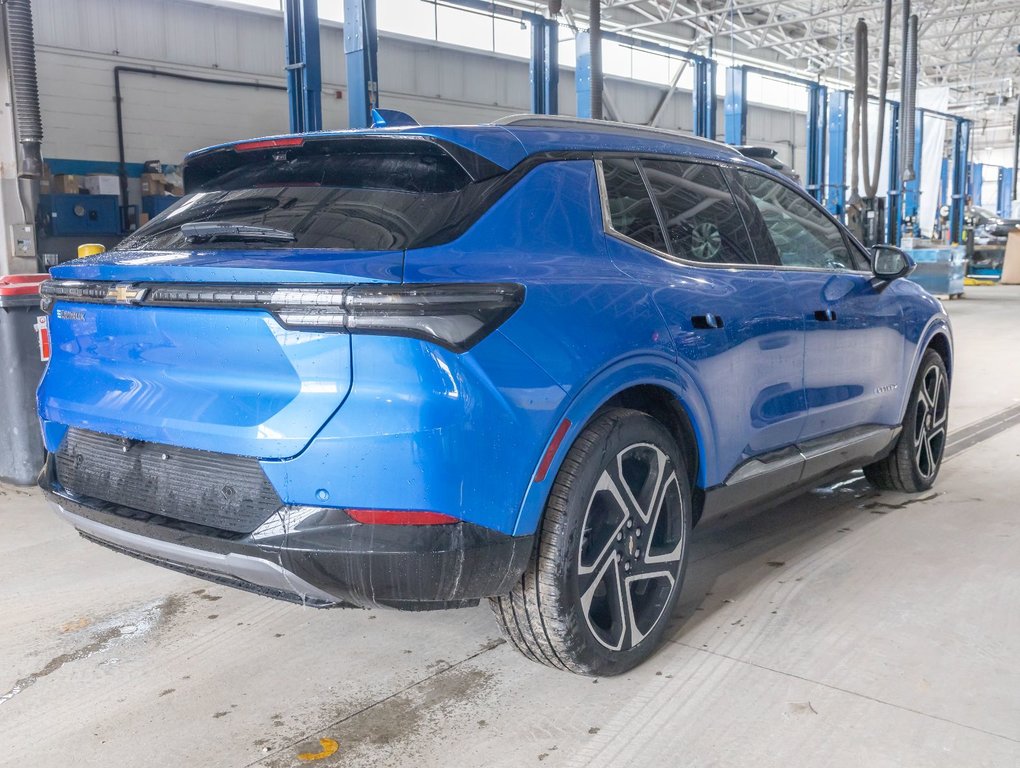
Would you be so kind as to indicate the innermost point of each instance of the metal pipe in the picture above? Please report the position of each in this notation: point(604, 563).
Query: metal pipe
point(595, 32)
point(118, 101)
point(27, 115)
point(872, 188)
point(908, 99)
point(859, 98)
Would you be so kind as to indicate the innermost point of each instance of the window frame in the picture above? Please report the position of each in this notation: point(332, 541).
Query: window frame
point(725, 168)
point(607, 221)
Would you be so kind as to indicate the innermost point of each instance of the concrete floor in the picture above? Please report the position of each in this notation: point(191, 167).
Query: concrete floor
point(848, 628)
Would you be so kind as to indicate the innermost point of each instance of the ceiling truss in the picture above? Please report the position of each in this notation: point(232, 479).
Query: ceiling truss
point(968, 45)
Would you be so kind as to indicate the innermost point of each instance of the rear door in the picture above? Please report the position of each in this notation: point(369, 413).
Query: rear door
point(853, 350)
point(737, 333)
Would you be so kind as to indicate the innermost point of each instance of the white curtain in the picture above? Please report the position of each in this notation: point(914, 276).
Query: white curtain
point(932, 152)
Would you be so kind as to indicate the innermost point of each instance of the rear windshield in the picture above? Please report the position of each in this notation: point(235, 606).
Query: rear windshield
point(342, 195)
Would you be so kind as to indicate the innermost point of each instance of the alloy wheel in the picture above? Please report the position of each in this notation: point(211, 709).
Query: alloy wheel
point(632, 546)
point(930, 418)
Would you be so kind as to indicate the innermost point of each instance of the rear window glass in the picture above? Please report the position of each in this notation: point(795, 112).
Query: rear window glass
point(327, 196)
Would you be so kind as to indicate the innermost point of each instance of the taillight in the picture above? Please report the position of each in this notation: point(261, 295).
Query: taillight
point(248, 146)
point(454, 315)
point(400, 517)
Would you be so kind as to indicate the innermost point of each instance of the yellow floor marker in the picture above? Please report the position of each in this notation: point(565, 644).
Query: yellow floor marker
point(329, 747)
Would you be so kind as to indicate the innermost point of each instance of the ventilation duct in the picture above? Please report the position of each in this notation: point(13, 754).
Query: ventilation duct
point(25, 86)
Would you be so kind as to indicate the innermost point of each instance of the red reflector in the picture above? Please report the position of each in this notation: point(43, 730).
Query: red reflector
point(550, 452)
point(400, 517)
point(247, 146)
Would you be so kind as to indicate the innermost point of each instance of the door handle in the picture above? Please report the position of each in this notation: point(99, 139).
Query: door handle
point(707, 321)
point(825, 315)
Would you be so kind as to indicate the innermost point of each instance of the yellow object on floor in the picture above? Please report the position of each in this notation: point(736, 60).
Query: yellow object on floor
point(972, 281)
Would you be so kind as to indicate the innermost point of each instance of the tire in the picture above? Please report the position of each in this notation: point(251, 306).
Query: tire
point(914, 462)
point(596, 598)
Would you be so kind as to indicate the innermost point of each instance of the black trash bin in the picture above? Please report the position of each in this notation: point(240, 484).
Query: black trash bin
point(24, 350)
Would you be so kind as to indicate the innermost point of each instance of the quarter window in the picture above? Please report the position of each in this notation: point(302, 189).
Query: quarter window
point(631, 211)
point(803, 236)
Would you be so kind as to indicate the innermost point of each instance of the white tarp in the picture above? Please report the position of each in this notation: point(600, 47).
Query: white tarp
point(932, 152)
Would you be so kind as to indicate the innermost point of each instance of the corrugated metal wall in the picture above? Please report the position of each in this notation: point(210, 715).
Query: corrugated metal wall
point(80, 42)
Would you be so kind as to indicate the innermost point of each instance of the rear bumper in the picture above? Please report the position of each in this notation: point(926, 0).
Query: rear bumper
point(315, 556)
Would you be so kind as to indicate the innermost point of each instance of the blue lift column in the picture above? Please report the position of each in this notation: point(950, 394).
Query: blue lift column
point(815, 176)
point(545, 66)
point(892, 208)
point(976, 180)
point(835, 198)
point(304, 71)
point(582, 74)
point(361, 52)
point(735, 106)
point(704, 98)
point(1005, 192)
point(958, 203)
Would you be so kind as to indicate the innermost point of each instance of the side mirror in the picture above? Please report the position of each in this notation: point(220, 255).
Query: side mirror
point(890, 263)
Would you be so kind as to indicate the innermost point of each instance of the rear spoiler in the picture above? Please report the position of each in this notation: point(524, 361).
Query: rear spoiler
point(201, 169)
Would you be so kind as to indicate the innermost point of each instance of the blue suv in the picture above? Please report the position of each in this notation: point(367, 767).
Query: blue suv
point(422, 366)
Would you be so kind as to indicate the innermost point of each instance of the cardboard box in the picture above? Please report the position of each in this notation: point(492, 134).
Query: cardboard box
point(65, 184)
point(153, 184)
point(102, 184)
point(1011, 261)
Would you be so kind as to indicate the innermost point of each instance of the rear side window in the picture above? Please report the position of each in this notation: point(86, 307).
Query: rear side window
point(698, 212)
point(803, 236)
point(682, 209)
point(340, 194)
point(631, 211)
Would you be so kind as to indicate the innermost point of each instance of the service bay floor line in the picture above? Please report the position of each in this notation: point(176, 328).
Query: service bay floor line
point(848, 628)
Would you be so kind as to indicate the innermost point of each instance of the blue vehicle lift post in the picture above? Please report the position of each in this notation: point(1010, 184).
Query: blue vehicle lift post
point(304, 67)
point(975, 180)
point(361, 53)
point(835, 197)
point(704, 98)
point(944, 182)
point(892, 208)
point(958, 201)
point(582, 74)
point(817, 105)
point(1005, 192)
point(735, 106)
point(544, 70)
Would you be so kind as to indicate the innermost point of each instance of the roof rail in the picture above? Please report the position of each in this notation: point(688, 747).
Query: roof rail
point(606, 126)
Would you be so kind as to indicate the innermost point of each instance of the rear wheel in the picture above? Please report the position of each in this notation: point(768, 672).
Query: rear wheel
point(598, 593)
point(914, 462)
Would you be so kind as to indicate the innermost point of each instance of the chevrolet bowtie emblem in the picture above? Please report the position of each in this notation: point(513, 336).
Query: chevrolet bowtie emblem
point(125, 293)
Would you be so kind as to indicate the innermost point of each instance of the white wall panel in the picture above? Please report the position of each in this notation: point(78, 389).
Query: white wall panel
point(80, 42)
